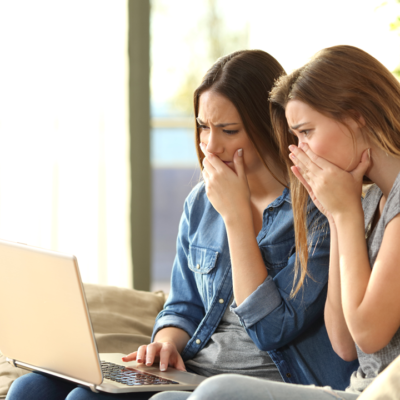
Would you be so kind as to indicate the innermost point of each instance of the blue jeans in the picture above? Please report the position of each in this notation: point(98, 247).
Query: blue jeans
point(36, 386)
point(237, 387)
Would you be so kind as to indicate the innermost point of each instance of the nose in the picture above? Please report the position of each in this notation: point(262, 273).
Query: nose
point(300, 141)
point(213, 142)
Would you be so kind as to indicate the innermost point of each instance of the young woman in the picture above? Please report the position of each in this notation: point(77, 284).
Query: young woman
point(232, 306)
point(339, 117)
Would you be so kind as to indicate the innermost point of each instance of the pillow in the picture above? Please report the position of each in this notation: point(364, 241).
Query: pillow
point(122, 320)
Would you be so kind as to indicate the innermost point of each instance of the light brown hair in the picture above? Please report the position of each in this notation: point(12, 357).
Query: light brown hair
point(246, 78)
point(340, 82)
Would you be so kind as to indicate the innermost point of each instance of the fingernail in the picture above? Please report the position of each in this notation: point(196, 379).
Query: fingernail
point(291, 147)
point(240, 152)
point(139, 360)
point(123, 358)
point(369, 153)
point(162, 367)
point(292, 156)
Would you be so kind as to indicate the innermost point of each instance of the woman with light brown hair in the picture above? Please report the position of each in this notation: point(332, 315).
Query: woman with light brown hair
point(337, 120)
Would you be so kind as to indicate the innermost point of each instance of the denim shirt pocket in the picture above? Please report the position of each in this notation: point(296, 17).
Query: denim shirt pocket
point(201, 262)
point(276, 256)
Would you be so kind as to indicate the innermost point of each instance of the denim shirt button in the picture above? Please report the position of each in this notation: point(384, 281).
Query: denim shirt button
point(221, 301)
point(270, 208)
point(198, 341)
point(198, 266)
point(288, 374)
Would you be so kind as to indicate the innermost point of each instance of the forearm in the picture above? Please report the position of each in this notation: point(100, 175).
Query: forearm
point(338, 332)
point(355, 272)
point(173, 335)
point(248, 268)
point(270, 315)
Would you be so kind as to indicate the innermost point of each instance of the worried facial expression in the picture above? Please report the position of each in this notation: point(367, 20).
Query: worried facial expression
point(222, 132)
point(325, 136)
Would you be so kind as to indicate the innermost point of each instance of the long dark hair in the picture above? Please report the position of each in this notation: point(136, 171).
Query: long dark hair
point(246, 78)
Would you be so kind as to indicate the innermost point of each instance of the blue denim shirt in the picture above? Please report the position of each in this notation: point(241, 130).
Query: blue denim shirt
point(292, 330)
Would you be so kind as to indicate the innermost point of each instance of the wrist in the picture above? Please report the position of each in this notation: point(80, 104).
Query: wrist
point(353, 217)
point(351, 211)
point(242, 216)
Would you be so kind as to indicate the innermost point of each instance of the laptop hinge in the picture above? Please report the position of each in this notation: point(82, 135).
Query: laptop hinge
point(93, 388)
point(12, 362)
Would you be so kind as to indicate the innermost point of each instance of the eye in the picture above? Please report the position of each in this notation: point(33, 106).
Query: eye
point(229, 132)
point(202, 127)
point(305, 132)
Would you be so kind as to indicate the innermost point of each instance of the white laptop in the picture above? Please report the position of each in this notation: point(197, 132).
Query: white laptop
point(46, 327)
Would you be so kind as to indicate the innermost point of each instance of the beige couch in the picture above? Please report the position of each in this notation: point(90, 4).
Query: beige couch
point(122, 320)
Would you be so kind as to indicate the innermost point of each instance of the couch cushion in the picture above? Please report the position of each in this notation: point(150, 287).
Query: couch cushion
point(122, 320)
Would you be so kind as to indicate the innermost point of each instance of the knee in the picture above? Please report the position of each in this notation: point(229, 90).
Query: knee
point(36, 386)
point(23, 385)
point(171, 396)
point(222, 387)
point(80, 394)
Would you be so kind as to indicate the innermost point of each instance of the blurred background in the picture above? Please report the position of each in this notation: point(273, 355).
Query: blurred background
point(96, 123)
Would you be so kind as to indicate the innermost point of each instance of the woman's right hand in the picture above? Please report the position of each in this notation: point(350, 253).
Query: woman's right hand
point(317, 203)
point(165, 352)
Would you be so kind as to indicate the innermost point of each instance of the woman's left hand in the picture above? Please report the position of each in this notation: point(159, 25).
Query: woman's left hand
point(337, 190)
point(227, 189)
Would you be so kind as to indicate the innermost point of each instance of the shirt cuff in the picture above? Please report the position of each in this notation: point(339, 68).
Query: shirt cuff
point(265, 299)
point(174, 321)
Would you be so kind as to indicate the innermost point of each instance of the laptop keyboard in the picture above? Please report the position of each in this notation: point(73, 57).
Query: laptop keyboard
point(131, 376)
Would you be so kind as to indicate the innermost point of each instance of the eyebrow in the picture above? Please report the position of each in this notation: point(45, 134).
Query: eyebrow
point(298, 125)
point(217, 125)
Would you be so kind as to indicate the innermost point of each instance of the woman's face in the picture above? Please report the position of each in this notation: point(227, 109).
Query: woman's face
point(222, 132)
point(325, 136)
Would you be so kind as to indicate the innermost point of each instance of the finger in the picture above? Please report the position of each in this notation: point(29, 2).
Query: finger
point(303, 169)
point(216, 163)
point(152, 350)
point(212, 159)
point(317, 160)
point(205, 175)
point(179, 363)
point(165, 353)
point(207, 165)
point(238, 162)
point(141, 354)
point(136, 355)
point(364, 164)
point(303, 159)
point(203, 148)
point(130, 357)
point(301, 178)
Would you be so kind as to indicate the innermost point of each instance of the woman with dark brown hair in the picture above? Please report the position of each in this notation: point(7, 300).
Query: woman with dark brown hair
point(338, 121)
point(230, 308)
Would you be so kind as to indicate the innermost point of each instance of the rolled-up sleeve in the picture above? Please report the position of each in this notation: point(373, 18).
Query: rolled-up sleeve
point(266, 298)
point(270, 315)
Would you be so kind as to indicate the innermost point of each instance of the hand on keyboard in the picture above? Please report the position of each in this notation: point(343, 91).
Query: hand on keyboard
point(164, 352)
